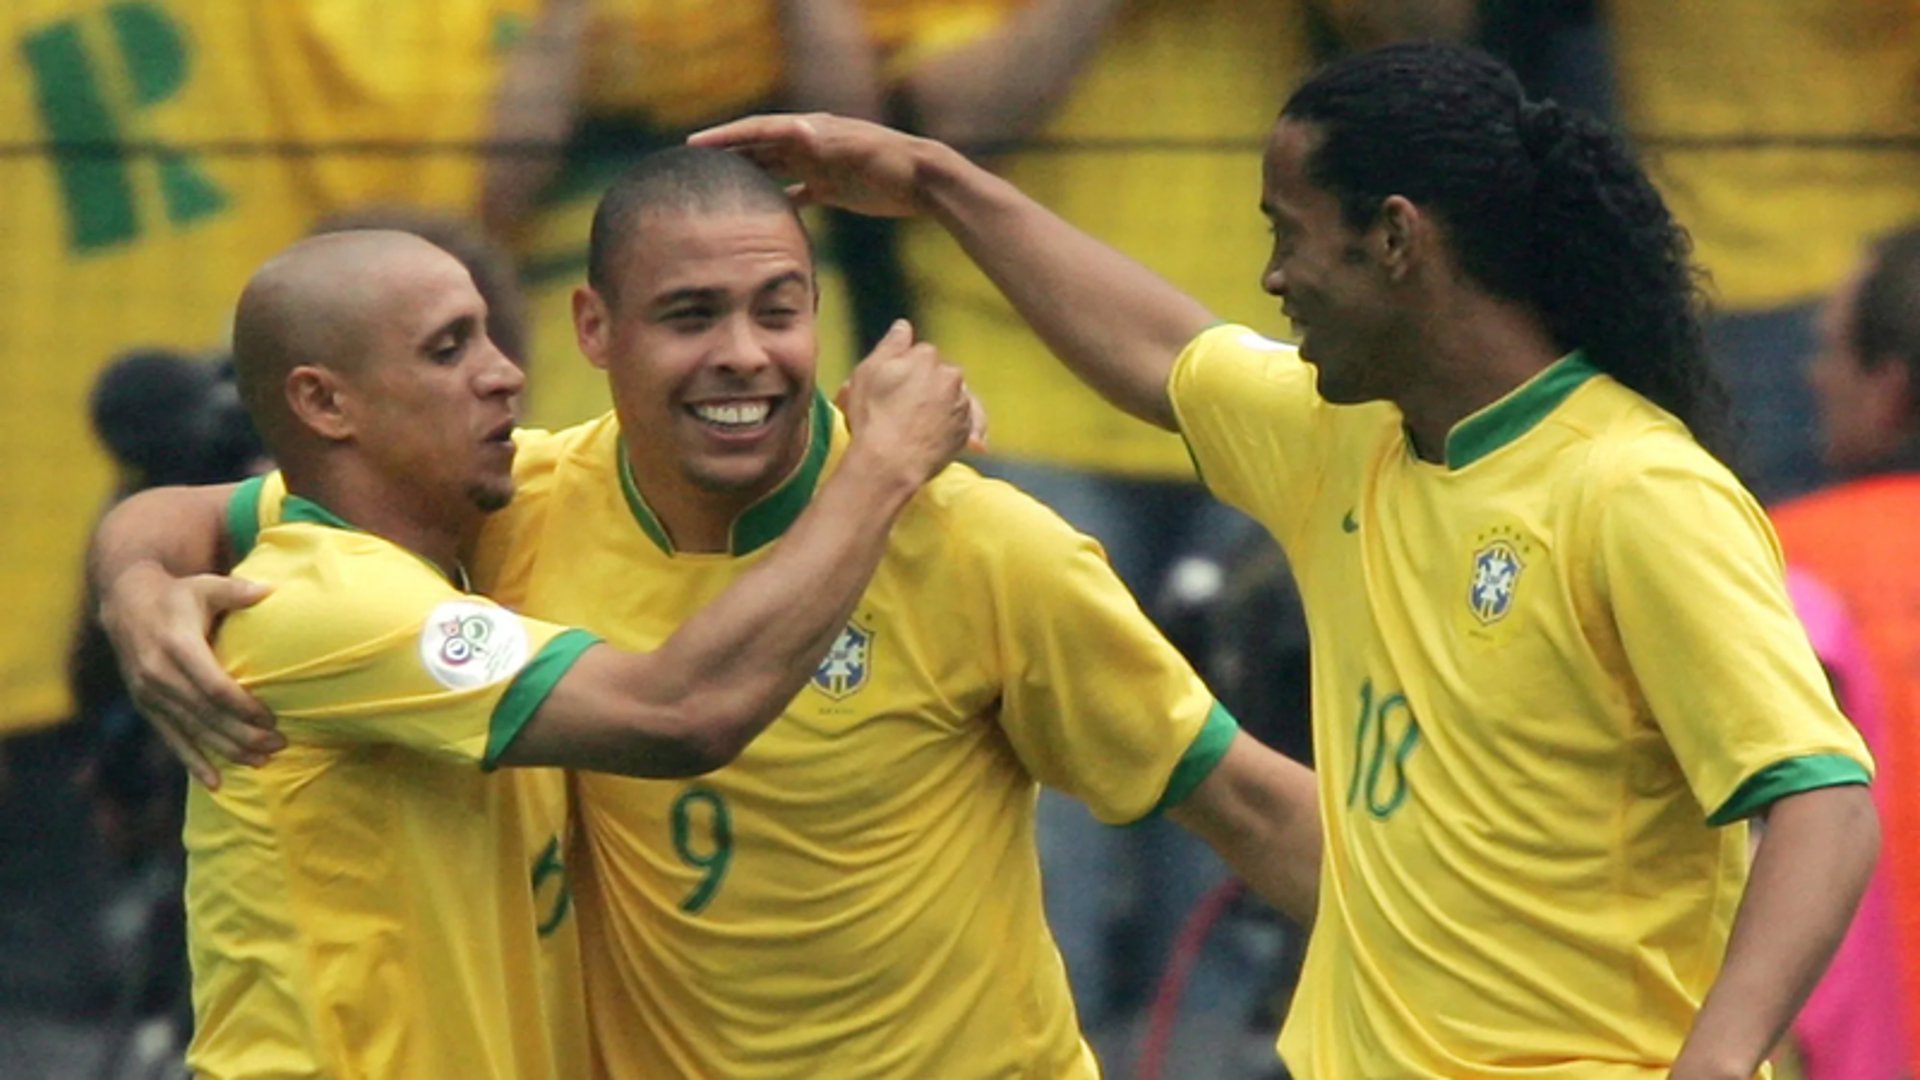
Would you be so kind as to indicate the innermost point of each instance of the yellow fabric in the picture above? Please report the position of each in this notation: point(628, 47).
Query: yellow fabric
point(1156, 150)
point(147, 250)
point(372, 903)
point(858, 895)
point(1515, 772)
point(1776, 223)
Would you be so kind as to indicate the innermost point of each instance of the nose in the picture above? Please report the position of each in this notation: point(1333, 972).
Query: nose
point(499, 376)
point(739, 348)
point(1274, 281)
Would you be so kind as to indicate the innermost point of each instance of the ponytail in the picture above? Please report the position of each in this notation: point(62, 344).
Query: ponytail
point(1588, 244)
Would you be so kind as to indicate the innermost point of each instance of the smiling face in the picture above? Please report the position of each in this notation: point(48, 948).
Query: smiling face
point(432, 404)
point(1328, 277)
point(709, 342)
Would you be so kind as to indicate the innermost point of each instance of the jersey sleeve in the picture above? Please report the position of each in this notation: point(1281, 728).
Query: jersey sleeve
point(1095, 702)
point(390, 661)
point(1694, 578)
point(1254, 423)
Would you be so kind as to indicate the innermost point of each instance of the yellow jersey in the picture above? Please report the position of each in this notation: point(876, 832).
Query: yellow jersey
point(858, 895)
point(375, 901)
point(237, 105)
point(1551, 677)
point(1155, 150)
point(1785, 134)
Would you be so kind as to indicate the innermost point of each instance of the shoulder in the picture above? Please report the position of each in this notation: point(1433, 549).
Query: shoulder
point(977, 516)
point(332, 588)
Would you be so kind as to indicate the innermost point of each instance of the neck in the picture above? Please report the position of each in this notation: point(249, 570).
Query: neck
point(1474, 351)
point(435, 530)
point(696, 521)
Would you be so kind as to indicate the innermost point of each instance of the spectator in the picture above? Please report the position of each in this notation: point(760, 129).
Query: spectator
point(105, 249)
point(1858, 536)
point(1852, 1027)
point(1785, 134)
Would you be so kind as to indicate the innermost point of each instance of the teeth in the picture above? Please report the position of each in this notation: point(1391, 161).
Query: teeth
point(734, 413)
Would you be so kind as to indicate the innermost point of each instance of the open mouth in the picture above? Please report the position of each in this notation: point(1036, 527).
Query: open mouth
point(501, 434)
point(735, 416)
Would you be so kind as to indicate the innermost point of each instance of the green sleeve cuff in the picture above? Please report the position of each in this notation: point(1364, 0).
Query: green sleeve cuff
point(1198, 763)
point(530, 688)
point(243, 516)
point(1790, 777)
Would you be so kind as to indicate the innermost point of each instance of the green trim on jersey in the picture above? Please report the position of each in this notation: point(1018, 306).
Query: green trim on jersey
point(301, 510)
point(243, 517)
point(1790, 777)
point(763, 522)
point(1516, 414)
point(298, 509)
point(1202, 757)
point(530, 688)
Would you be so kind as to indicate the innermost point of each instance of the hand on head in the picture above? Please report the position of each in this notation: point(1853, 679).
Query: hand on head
point(831, 160)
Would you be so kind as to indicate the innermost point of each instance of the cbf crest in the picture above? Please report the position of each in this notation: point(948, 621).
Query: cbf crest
point(1497, 566)
point(844, 671)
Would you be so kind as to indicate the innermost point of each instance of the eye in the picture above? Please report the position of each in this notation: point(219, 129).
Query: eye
point(447, 349)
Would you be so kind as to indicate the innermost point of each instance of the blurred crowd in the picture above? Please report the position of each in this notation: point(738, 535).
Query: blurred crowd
point(157, 150)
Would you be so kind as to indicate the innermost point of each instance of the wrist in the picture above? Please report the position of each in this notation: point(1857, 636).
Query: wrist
point(885, 481)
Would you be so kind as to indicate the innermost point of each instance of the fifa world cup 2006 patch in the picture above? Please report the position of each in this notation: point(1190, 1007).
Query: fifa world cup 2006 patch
point(465, 645)
point(847, 664)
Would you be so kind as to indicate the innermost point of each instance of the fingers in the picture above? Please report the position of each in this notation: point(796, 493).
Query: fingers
point(196, 763)
point(976, 423)
point(223, 594)
point(743, 133)
point(895, 342)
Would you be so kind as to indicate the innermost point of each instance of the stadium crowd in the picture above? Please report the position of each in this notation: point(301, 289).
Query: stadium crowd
point(160, 152)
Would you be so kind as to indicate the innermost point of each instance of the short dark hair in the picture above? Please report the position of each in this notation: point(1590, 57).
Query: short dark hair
point(1886, 319)
point(679, 179)
point(1542, 205)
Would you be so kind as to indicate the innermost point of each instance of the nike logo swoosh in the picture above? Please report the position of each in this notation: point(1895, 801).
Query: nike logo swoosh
point(1347, 524)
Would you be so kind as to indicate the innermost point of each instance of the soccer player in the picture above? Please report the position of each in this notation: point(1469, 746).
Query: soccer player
point(858, 895)
point(378, 901)
point(1555, 669)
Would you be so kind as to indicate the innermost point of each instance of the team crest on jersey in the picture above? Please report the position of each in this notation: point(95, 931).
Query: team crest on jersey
point(1496, 574)
point(848, 663)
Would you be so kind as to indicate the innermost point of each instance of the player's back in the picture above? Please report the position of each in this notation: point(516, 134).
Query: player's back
point(373, 902)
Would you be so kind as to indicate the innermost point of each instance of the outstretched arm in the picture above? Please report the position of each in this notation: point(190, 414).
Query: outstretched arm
point(1118, 325)
point(154, 563)
point(1260, 811)
point(1808, 876)
point(730, 670)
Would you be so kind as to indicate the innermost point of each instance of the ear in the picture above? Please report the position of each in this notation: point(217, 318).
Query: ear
point(592, 325)
point(1402, 229)
point(316, 397)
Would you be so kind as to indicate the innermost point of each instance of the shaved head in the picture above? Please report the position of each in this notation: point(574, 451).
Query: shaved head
point(318, 303)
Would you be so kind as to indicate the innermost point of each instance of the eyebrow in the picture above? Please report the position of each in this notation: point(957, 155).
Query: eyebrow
point(696, 294)
point(459, 326)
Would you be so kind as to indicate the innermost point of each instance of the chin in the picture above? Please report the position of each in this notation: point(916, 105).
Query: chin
point(491, 497)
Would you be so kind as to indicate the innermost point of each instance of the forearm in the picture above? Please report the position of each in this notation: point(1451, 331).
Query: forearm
point(1260, 811)
point(1115, 323)
point(1002, 87)
point(533, 113)
point(830, 63)
point(179, 530)
point(746, 654)
point(1808, 876)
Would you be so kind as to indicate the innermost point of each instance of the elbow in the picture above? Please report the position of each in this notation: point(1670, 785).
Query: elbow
point(710, 737)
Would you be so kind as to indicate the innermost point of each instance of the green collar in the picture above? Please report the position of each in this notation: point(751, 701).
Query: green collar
point(1514, 415)
point(763, 522)
point(296, 508)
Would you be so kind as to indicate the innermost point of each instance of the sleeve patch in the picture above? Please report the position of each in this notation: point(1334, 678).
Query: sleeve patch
point(466, 645)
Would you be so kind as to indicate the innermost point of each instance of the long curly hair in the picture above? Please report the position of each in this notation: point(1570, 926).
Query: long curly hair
point(1543, 206)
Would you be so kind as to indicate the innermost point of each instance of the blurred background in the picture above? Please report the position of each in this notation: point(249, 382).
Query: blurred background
point(153, 152)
